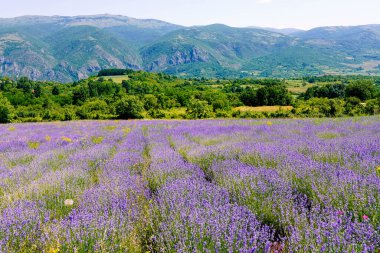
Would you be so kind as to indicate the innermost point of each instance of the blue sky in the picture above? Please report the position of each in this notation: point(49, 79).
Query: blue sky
point(240, 13)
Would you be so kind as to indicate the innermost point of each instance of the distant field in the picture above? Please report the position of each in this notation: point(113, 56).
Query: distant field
point(300, 89)
point(263, 108)
point(297, 86)
point(251, 186)
point(117, 79)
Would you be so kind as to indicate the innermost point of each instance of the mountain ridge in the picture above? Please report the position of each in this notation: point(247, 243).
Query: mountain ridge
point(67, 48)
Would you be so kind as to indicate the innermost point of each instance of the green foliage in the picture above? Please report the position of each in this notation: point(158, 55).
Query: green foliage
point(362, 89)
point(337, 90)
point(114, 72)
point(160, 96)
point(6, 110)
point(80, 94)
point(69, 113)
point(150, 102)
point(96, 109)
point(373, 106)
point(24, 84)
point(321, 107)
point(103, 88)
point(199, 109)
point(268, 95)
point(130, 107)
point(55, 90)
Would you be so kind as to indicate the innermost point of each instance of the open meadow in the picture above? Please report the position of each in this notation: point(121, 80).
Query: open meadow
point(283, 185)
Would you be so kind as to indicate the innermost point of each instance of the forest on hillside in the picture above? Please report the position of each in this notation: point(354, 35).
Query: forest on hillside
point(128, 94)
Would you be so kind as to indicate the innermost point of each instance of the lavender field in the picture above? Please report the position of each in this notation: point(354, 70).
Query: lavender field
point(191, 186)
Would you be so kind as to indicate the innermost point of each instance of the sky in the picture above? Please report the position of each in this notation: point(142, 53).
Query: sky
point(303, 14)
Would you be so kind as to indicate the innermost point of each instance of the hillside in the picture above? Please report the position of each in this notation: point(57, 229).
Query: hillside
point(71, 48)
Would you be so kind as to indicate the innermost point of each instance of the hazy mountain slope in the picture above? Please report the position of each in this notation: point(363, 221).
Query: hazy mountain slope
point(285, 31)
point(356, 47)
point(217, 45)
point(89, 49)
point(70, 48)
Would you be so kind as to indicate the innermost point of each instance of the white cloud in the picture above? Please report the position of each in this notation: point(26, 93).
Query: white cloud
point(264, 1)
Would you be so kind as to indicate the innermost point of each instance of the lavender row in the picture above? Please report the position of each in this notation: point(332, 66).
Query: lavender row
point(191, 186)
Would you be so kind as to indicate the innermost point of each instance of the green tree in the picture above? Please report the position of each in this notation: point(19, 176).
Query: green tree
point(6, 110)
point(372, 106)
point(96, 109)
point(327, 91)
point(249, 97)
point(37, 91)
point(55, 91)
point(129, 107)
point(80, 94)
point(199, 109)
point(24, 84)
point(362, 89)
point(320, 107)
point(150, 102)
point(268, 95)
point(69, 113)
point(354, 106)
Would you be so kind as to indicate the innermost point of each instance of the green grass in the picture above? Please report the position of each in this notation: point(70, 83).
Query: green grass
point(110, 128)
point(117, 79)
point(327, 135)
point(97, 139)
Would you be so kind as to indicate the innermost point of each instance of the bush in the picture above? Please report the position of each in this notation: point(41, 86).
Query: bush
point(372, 107)
point(199, 109)
point(130, 107)
point(69, 113)
point(96, 109)
point(6, 110)
point(362, 89)
point(268, 95)
point(320, 107)
point(354, 107)
point(157, 114)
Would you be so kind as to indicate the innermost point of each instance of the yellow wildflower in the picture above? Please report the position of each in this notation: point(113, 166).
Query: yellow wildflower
point(53, 250)
point(33, 144)
point(47, 138)
point(67, 139)
point(269, 123)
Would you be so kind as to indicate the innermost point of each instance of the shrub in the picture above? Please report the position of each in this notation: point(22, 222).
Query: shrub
point(129, 107)
point(199, 109)
point(6, 110)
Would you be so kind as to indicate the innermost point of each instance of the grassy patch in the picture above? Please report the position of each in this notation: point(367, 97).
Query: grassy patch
point(97, 139)
point(109, 128)
point(258, 160)
point(327, 135)
point(24, 160)
point(263, 108)
point(118, 79)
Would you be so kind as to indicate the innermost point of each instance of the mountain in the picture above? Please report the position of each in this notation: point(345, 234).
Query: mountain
point(285, 31)
point(70, 48)
point(221, 47)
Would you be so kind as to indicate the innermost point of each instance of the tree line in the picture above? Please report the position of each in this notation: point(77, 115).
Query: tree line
point(158, 95)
